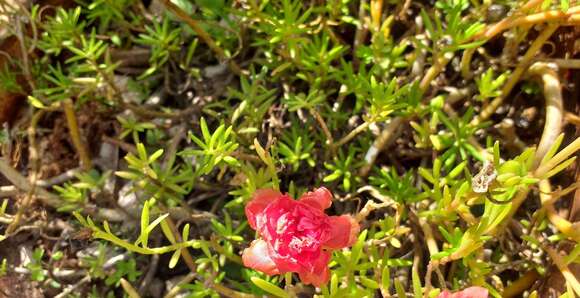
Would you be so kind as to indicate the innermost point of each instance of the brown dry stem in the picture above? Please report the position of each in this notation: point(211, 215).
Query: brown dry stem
point(323, 126)
point(569, 17)
point(75, 134)
point(35, 164)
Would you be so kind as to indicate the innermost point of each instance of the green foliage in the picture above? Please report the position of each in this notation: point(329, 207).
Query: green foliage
point(8, 80)
point(215, 148)
point(3, 267)
point(37, 272)
point(61, 30)
point(123, 269)
point(107, 12)
point(455, 34)
point(255, 99)
point(301, 144)
point(488, 86)
point(202, 137)
point(399, 188)
point(269, 288)
point(95, 263)
point(343, 167)
point(164, 42)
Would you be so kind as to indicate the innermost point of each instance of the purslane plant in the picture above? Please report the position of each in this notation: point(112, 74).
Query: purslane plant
point(358, 96)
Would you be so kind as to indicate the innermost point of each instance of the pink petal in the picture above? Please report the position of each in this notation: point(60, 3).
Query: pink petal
point(317, 273)
point(320, 198)
point(471, 292)
point(343, 232)
point(261, 199)
point(317, 279)
point(257, 257)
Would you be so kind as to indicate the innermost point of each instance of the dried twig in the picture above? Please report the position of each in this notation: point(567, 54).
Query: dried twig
point(71, 121)
point(35, 164)
point(570, 17)
point(177, 288)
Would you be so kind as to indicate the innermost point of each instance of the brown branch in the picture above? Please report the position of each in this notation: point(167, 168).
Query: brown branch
point(71, 121)
point(35, 164)
point(352, 134)
point(323, 126)
point(564, 18)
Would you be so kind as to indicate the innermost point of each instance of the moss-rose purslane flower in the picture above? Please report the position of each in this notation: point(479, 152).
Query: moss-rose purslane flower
point(297, 236)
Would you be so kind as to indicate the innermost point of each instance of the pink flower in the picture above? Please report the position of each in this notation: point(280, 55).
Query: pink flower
point(471, 292)
point(297, 236)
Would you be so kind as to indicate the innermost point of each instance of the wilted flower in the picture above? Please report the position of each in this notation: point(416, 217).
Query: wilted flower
point(471, 292)
point(297, 236)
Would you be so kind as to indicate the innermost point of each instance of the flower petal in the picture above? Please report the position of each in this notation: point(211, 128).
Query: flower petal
point(343, 232)
point(317, 279)
point(261, 199)
point(257, 257)
point(320, 198)
point(471, 292)
point(317, 273)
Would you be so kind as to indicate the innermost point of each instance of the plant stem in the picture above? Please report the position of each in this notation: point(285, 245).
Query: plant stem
point(387, 135)
point(564, 18)
point(428, 233)
point(35, 164)
point(219, 249)
point(21, 183)
point(323, 126)
point(352, 134)
point(568, 275)
point(554, 108)
point(523, 283)
point(376, 13)
point(564, 226)
point(438, 65)
point(75, 135)
point(564, 63)
point(203, 35)
point(177, 288)
point(129, 289)
point(227, 292)
point(466, 63)
point(514, 78)
point(552, 128)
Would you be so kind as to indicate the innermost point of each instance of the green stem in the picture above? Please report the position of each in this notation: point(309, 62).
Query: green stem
point(352, 134)
point(515, 77)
